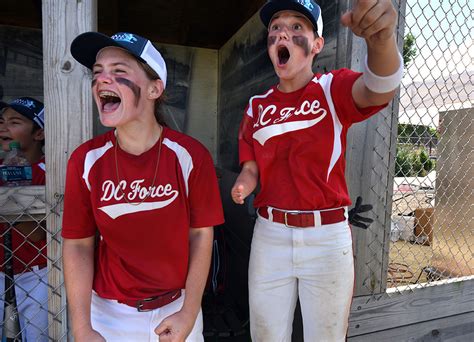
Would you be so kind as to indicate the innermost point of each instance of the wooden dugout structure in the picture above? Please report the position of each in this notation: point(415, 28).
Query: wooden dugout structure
point(216, 82)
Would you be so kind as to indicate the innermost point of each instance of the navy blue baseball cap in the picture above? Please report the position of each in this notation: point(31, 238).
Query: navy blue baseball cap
point(30, 108)
point(86, 46)
point(2, 105)
point(308, 8)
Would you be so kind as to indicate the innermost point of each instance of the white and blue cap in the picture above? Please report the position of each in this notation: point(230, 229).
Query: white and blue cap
point(30, 108)
point(309, 8)
point(86, 46)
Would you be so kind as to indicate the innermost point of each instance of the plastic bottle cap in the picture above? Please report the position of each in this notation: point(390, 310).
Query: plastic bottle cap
point(14, 144)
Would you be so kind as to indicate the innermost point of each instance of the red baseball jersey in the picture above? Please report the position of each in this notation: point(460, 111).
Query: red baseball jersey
point(298, 140)
point(144, 226)
point(27, 253)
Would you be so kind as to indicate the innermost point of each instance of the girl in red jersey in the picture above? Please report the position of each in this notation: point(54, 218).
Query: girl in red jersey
point(293, 138)
point(147, 195)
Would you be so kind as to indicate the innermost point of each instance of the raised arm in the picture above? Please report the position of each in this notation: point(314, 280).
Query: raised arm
point(375, 21)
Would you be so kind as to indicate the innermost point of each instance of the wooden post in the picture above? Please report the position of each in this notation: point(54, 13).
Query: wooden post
point(370, 156)
point(68, 108)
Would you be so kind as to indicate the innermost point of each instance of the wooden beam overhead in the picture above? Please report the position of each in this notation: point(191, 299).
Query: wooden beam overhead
point(206, 23)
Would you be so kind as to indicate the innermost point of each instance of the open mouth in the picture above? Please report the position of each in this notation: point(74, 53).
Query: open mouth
point(283, 55)
point(109, 101)
point(4, 139)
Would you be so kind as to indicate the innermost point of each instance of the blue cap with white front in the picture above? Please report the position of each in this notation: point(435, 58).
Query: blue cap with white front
point(309, 8)
point(30, 108)
point(86, 46)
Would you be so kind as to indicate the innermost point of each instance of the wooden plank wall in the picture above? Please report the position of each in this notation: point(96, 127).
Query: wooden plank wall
point(21, 63)
point(244, 71)
point(201, 118)
point(68, 113)
point(456, 328)
point(440, 309)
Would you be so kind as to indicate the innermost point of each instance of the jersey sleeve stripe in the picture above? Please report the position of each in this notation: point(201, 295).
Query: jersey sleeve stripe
point(325, 81)
point(249, 110)
point(184, 158)
point(91, 158)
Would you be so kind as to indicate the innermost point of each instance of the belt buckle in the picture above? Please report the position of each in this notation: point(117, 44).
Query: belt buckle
point(292, 212)
point(141, 302)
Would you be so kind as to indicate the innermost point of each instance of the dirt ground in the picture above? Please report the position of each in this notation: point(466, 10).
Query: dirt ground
point(449, 254)
point(406, 264)
point(441, 260)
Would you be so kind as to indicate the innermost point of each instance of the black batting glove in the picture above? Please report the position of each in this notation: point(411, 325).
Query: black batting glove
point(355, 219)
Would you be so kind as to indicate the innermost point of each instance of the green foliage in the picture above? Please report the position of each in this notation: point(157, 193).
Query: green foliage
point(407, 131)
point(409, 50)
point(412, 162)
point(416, 165)
point(433, 132)
point(425, 160)
point(403, 163)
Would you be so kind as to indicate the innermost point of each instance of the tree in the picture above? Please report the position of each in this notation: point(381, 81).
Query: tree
point(409, 50)
point(412, 162)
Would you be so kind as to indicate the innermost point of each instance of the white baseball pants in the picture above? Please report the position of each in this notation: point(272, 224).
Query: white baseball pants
point(118, 322)
point(31, 290)
point(314, 264)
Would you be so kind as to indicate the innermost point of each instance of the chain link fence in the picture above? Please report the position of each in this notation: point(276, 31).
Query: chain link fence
point(431, 234)
point(25, 248)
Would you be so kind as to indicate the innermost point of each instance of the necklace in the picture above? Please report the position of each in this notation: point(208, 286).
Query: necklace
point(160, 140)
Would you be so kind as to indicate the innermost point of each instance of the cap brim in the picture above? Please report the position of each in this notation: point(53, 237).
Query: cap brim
point(86, 46)
point(271, 8)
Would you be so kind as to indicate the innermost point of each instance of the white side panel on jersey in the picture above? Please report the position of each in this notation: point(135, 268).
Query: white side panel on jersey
point(91, 158)
point(42, 166)
point(325, 81)
point(250, 110)
point(184, 158)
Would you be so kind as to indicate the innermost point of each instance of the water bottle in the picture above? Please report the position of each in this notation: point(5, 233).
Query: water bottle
point(16, 169)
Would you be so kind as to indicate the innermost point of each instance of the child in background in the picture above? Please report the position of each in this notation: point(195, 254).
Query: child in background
point(23, 121)
point(3, 105)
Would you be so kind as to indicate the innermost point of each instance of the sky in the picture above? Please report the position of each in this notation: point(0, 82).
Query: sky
point(444, 34)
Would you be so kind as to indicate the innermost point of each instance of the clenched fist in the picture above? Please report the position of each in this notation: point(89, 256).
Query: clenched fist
point(373, 20)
